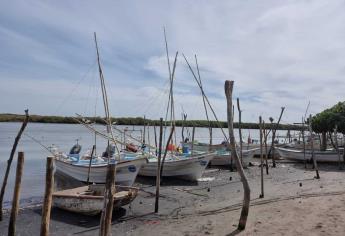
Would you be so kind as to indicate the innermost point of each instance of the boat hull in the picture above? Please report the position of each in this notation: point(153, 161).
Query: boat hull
point(126, 171)
point(224, 159)
point(71, 200)
point(298, 155)
point(186, 168)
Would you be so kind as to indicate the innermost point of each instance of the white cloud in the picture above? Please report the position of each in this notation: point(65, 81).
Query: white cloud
point(280, 53)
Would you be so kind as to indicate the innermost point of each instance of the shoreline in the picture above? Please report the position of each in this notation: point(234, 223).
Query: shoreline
point(212, 206)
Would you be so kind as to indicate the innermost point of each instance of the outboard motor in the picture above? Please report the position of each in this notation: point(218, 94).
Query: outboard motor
point(75, 149)
point(109, 151)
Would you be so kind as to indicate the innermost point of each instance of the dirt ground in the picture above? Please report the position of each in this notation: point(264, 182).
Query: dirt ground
point(294, 203)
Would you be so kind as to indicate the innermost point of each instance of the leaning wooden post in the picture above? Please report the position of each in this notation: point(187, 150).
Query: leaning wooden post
point(336, 145)
point(303, 139)
point(48, 195)
point(90, 163)
point(312, 149)
point(240, 128)
point(246, 197)
point(158, 176)
point(108, 201)
point(15, 200)
point(274, 136)
point(9, 161)
point(210, 129)
point(265, 135)
point(261, 160)
point(193, 133)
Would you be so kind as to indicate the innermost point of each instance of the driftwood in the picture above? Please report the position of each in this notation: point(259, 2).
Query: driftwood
point(261, 160)
point(246, 197)
point(48, 196)
point(312, 150)
point(16, 192)
point(9, 161)
point(274, 136)
point(158, 176)
point(105, 224)
point(239, 128)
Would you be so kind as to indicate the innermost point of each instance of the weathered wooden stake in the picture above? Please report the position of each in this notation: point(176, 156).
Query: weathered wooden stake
point(312, 150)
point(9, 161)
point(240, 128)
point(48, 195)
point(261, 160)
point(210, 129)
point(108, 206)
point(16, 193)
point(158, 176)
point(246, 196)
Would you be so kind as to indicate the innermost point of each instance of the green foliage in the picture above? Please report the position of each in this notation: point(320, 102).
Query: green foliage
point(326, 120)
point(136, 121)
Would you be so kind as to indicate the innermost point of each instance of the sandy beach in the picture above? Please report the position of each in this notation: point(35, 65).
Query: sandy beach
point(295, 203)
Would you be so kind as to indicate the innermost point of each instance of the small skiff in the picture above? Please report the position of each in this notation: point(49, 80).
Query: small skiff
point(298, 155)
point(223, 158)
point(89, 200)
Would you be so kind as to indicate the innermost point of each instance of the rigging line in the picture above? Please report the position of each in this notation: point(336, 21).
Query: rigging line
point(104, 93)
point(74, 88)
point(203, 97)
point(37, 141)
point(202, 91)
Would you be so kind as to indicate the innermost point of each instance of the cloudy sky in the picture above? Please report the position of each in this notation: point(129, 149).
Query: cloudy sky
point(279, 53)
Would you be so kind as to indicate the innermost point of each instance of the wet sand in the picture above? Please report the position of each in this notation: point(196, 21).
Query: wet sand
point(295, 203)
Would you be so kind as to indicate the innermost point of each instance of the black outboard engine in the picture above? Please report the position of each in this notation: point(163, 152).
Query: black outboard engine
point(75, 149)
point(109, 151)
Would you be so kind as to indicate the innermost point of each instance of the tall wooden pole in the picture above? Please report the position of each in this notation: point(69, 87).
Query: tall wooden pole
point(48, 195)
point(16, 192)
point(158, 176)
point(9, 161)
point(261, 160)
point(108, 206)
point(240, 128)
point(312, 150)
point(246, 197)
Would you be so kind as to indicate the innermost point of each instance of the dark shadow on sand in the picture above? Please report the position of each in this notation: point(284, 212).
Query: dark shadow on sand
point(79, 219)
point(166, 181)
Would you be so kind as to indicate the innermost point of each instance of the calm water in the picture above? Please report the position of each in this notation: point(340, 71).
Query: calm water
point(64, 136)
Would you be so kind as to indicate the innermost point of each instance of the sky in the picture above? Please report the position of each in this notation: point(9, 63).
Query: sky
point(280, 53)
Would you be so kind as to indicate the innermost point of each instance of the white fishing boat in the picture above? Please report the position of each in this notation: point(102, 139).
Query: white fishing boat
point(223, 158)
point(186, 167)
point(298, 155)
point(126, 170)
point(89, 200)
